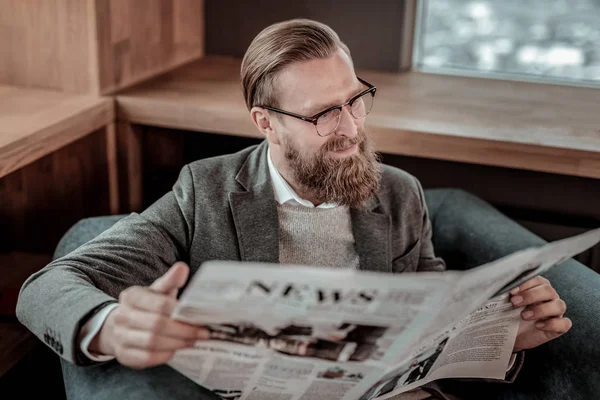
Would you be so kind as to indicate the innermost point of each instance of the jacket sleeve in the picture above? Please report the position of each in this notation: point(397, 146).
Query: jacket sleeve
point(427, 259)
point(56, 301)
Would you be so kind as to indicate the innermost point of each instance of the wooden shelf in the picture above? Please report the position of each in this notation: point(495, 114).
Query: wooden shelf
point(34, 123)
point(540, 127)
point(15, 339)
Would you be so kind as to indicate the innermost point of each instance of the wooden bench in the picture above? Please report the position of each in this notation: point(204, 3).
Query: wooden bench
point(530, 126)
point(33, 124)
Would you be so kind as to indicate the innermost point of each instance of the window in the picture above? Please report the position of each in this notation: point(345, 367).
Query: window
point(537, 40)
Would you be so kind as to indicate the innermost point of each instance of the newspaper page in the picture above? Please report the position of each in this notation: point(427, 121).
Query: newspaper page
point(300, 332)
point(480, 345)
point(297, 332)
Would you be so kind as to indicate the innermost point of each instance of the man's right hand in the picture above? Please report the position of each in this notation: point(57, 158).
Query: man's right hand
point(139, 332)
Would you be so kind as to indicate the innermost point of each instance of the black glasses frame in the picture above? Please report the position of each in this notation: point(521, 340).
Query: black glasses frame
point(313, 120)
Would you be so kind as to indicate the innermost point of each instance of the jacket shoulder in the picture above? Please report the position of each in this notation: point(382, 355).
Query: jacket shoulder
point(396, 181)
point(400, 191)
point(220, 170)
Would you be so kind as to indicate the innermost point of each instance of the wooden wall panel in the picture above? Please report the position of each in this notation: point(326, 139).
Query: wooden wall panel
point(39, 202)
point(45, 44)
point(77, 45)
point(138, 39)
point(129, 160)
point(96, 46)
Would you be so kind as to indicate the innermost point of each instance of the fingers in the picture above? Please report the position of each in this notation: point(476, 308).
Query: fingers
point(554, 308)
point(140, 338)
point(145, 340)
point(535, 281)
point(536, 294)
point(140, 331)
point(141, 298)
point(557, 326)
point(158, 324)
point(172, 280)
point(138, 358)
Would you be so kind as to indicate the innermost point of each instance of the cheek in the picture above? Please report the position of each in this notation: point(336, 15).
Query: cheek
point(304, 138)
point(360, 123)
point(314, 145)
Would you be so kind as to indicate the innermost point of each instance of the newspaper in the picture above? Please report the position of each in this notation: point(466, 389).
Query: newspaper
point(306, 333)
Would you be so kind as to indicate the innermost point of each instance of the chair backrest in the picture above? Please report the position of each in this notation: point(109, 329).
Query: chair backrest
point(82, 232)
point(468, 231)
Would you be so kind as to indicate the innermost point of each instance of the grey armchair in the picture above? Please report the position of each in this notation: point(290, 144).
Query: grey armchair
point(468, 232)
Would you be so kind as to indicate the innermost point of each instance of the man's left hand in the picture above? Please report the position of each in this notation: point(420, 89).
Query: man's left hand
point(542, 318)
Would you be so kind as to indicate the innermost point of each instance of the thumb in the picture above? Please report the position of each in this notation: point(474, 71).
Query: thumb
point(172, 280)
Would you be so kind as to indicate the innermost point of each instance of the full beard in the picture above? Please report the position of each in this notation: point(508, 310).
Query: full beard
point(347, 181)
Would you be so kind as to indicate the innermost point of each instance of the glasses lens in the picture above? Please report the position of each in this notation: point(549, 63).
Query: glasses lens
point(362, 106)
point(328, 122)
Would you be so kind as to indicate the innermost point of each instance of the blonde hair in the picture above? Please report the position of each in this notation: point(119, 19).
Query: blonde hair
point(279, 45)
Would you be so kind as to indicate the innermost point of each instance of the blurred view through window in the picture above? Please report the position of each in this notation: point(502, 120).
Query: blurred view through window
point(551, 40)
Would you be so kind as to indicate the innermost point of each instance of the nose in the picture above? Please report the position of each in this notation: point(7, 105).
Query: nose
point(347, 126)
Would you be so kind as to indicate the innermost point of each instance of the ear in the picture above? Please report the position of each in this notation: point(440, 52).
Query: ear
point(262, 120)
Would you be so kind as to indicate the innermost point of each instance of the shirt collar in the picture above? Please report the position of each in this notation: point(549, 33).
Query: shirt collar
point(284, 192)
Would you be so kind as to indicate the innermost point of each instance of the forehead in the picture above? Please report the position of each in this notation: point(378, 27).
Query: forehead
point(321, 82)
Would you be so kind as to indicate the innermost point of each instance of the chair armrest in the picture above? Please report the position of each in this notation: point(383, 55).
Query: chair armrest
point(82, 232)
point(471, 232)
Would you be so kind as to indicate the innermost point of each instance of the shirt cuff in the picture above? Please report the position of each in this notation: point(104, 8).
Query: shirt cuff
point(91, 329)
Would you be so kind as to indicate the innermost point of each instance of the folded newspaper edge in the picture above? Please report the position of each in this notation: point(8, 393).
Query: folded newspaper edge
point(299, 332)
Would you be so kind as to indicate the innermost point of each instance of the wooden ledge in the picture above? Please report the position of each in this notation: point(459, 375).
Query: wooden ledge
point(541, 127)
point(34, 123)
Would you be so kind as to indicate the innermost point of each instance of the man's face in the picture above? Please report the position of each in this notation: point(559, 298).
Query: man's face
point(341, 167)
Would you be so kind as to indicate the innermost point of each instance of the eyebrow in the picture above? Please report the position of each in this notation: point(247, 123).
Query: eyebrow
point(324, 106)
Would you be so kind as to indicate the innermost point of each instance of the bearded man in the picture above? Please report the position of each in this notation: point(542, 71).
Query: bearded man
point(312, 193)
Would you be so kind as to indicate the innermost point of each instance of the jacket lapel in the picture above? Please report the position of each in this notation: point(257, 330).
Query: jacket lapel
point(372, 237)
point(256, 222)
point(254, 210)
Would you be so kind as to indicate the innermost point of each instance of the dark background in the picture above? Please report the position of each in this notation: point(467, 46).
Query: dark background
point(371, 29)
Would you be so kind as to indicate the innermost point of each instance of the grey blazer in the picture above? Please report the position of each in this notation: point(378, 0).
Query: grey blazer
point(219, 208)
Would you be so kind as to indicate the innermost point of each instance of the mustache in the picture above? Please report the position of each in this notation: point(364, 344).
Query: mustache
point(341, 143)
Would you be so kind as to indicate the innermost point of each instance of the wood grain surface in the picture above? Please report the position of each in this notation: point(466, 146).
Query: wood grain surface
point(129, 156)
point(46, 44)
point(139, 39)
point(41, 201)
point(96, 46)
point(34, 123)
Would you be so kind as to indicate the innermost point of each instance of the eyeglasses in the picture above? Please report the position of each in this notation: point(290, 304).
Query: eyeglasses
point(327, 121)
